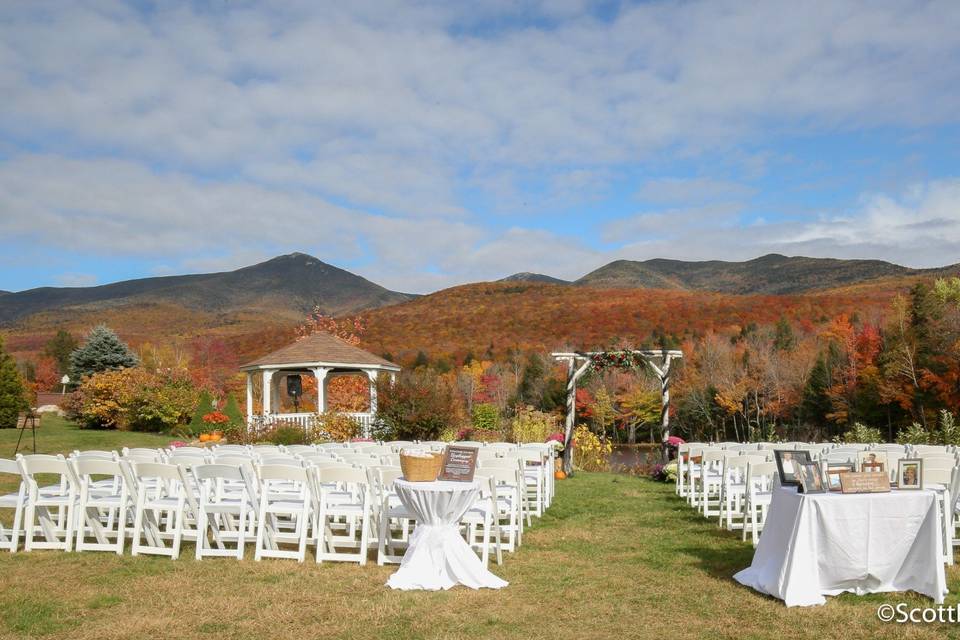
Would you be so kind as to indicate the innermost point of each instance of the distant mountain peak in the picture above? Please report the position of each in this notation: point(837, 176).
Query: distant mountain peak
point(768, 274)
point(528, 276)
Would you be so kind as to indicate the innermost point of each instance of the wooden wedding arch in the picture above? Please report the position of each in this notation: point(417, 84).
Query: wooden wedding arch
point(578, 362)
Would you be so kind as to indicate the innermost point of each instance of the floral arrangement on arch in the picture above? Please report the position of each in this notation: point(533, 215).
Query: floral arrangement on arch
point(617, 360)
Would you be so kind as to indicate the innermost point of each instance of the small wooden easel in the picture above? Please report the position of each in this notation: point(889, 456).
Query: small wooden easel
point(23, 420)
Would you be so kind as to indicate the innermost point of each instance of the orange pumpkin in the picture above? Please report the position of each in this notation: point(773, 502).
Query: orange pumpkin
point(559, 474)
point(204, 437)
point(215, 437)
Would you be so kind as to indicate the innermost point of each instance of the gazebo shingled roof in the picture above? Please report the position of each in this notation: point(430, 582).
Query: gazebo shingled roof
point(321, 348)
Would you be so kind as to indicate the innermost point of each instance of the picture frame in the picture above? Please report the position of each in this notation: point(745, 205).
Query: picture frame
point(910, 474)
point(832, 473)
point(787, 460)
point(810, 477)
point(872, 461)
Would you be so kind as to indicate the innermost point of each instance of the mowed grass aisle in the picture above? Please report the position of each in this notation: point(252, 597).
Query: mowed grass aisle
point(615, 557)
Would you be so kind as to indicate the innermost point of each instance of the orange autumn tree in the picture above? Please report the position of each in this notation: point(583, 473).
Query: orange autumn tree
point(344, 393)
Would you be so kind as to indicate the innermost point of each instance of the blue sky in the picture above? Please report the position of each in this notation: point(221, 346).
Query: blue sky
point(434, 143)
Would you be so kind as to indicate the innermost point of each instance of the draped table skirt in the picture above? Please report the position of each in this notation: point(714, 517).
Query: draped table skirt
point(825, 544)
point(437, 556)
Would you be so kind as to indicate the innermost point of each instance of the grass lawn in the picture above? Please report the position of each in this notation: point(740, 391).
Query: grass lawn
point(615, 557)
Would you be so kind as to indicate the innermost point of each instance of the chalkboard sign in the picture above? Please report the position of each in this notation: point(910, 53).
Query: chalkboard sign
point(459, 464)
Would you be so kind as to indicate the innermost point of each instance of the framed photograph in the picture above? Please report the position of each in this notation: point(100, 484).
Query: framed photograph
point(834, 470)
point(872, 461)
point(787, 462)
point(810, 477)
point(910, 473)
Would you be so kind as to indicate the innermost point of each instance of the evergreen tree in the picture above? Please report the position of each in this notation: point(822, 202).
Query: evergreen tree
point(232, 410)
point(530, 389)
point(421, 360)
point(102, 351)
point(204, 406)
point(12, 397)
point(783, 336)
point(816, 403)
point(59, 348)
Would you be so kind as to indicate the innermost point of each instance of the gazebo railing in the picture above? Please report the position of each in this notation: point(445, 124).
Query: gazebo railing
point(306, 420)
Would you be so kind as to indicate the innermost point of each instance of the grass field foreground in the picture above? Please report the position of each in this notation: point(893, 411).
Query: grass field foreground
point(615, 557)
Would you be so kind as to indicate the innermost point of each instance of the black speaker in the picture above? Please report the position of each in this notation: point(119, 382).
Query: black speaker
point(294, 386)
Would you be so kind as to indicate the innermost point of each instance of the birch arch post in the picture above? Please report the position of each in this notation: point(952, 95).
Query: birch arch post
point(578, 362)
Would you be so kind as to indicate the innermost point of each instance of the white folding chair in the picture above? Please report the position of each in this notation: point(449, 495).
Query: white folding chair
point(57, 532)
point(103, 508)
point(226, 507)
point(387, 510)
point(333, 484)
point(759, 481)
point(10, 538)
point(162, 490)
point(734, 488)
point(292, 500)
point(484, 514)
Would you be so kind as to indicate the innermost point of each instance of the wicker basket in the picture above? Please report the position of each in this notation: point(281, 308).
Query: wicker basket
point(417, 469)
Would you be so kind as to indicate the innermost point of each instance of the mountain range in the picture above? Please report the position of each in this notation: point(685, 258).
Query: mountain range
point(296, 282)
point(288, 286)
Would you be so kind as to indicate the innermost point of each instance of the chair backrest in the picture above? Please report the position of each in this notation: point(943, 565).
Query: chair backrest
point(500, 475)
point(937, 475)
point(231, 449)
point(95, 467)
point(498, 463)
point(9, 466)
point(217, 472)
point(760, 476)
point(299, 448)
point(158, 470)
point(41, 463)
point(350, 475)
point(133, 456)
point(285, 472)
point(289, 461)
point(142, 451)
point(95, 455)
point(198, 452)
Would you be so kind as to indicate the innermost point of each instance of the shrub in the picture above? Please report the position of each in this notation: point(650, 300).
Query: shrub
point(232, 410)
point(418, 406)
point(486, 417)
point(133, 399)
point(589, 452)
point(914, 434)
point(862, 434)
point(285, 433)
point(203, 407)
point(949, 433)
point(12, 391)
point(530, 425)
point(102, 351)
point(334, 427)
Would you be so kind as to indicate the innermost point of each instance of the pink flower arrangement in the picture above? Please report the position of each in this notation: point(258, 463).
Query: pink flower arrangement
point(361, 439)
point(177, 443)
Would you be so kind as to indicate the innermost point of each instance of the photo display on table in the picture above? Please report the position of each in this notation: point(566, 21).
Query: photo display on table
point(787, 462)
point(910, 473)
point(865, 482)
point(810, 477)
point(872, 461)
point(459, 464)
point(833, 472)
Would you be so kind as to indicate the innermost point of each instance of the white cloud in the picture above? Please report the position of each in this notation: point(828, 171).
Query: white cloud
point(203, 136)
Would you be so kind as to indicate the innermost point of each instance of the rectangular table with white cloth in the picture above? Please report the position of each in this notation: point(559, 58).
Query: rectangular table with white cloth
point(825, 544)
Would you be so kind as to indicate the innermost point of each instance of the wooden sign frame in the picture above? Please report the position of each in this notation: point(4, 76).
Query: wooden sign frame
point(864, 482)
point(833, 471)
point(459, 464)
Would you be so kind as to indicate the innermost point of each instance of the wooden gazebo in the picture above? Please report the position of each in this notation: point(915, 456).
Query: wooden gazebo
point(325, 357)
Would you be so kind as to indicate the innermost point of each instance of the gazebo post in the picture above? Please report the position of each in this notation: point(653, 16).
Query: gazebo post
point(249, 396)
point(267, 391)
point(372, 374)
point(320, 373)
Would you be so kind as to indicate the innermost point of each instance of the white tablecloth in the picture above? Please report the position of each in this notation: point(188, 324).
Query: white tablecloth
point(824, 544)
point(437, 556)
